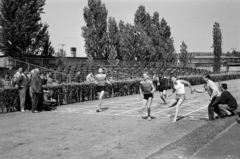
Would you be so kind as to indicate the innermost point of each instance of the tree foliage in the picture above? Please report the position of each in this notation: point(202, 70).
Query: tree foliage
point(184, 56)
point(149, 39)
point(22, 32)
point(217, 47)
point(95, 31)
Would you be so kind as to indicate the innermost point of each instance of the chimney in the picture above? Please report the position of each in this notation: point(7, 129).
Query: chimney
point(73, 51)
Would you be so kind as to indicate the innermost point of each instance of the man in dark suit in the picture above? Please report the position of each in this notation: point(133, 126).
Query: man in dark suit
point(36, 89)
point(22, 82)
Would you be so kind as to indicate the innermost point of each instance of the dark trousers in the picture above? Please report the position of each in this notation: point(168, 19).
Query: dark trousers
point(213, 107)
point(40, 103)
point(35, 99)
point(28, 101)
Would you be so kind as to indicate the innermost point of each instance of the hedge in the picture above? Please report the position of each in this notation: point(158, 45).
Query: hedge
point(78, 92)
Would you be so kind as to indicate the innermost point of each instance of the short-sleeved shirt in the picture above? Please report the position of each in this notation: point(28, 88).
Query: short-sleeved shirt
point(212, 89)
point(227, 98)
point(146, 86)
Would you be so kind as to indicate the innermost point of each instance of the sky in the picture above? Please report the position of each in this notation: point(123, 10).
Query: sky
point(191, 21)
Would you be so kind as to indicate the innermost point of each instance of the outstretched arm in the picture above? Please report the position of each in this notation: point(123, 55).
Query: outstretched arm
point(201, 90)
point(187, 83)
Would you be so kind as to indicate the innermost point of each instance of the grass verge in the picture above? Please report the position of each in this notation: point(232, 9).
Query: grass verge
point(192, 142)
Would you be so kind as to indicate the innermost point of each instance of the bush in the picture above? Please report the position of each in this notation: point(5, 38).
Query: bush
point(77, 92)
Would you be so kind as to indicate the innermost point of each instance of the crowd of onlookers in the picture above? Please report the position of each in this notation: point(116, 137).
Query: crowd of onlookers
point(29, 87)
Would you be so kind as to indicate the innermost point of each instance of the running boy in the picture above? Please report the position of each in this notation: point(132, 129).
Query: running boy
point(146, 93)
point(178, 87)
point(162, 87)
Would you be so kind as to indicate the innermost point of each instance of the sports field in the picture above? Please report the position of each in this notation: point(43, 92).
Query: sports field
point(77, 131)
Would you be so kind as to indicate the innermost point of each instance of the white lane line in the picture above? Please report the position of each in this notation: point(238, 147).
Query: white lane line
point(174, 107)
point(194, 111)
point(122, 106)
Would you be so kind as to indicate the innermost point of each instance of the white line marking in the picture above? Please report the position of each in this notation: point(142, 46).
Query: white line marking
point(173, 107)
point(194, 111)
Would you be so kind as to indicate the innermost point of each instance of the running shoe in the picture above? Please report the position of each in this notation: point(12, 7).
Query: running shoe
point(149, 118)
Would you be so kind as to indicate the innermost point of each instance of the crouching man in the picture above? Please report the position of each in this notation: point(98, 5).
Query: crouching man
point(228, 103)
point(48, 101)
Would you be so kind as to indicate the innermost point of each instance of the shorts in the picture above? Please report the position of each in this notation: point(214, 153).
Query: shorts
point(146, 96)
point(101, 88)
point(161, 89)
point(179, 96)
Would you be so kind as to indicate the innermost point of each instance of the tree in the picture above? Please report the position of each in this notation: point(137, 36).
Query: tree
point(140, 16)
point(21, 32)
point(112, 56)
point(95, 31)
point(114, 37)
point(135, 44)
point(48, 50)
point(217, 47)
point(184, 55)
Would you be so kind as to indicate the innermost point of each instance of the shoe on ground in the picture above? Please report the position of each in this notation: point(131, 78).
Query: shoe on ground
point(36, 111)
point(22, 110)
point(149, 118)
point(144, 117)
point(97, 110)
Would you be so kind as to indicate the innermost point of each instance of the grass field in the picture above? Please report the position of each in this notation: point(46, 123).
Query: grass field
point(77, 131)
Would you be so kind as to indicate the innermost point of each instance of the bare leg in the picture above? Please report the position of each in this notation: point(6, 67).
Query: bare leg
point(180, 101)
point(163, 96)
point(101, 94)
point(149, 102)
point(144, 104)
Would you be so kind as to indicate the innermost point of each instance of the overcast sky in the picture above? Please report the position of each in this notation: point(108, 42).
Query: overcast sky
point(191, 21)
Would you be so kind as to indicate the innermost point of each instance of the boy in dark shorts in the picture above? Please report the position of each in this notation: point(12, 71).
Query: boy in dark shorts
point(162, 87)
point(146, 94)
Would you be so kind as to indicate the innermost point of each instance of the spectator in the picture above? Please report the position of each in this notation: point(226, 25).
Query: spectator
point(228, 103)
point(36, 89)
point(90, 77)
point(23, 83)
point(77, 77)
point(16, 76)
point(49, 79)
point(8, 79)
point(215, 96)
point(43, 79)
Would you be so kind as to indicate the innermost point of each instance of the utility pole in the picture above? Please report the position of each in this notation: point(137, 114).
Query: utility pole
point(234, 49)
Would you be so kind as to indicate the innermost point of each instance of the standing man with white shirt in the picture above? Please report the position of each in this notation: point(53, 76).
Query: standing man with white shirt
point(215, 96)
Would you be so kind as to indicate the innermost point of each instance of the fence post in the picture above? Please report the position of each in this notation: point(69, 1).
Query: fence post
point(58, 100)
point(77, 95)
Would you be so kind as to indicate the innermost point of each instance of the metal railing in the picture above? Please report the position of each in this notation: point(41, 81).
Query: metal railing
point(14, 64)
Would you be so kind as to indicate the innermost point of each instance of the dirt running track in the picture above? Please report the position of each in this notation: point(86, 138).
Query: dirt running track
point(77, 132)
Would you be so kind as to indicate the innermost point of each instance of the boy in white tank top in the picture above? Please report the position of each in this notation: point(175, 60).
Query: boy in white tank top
point(179, 89)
